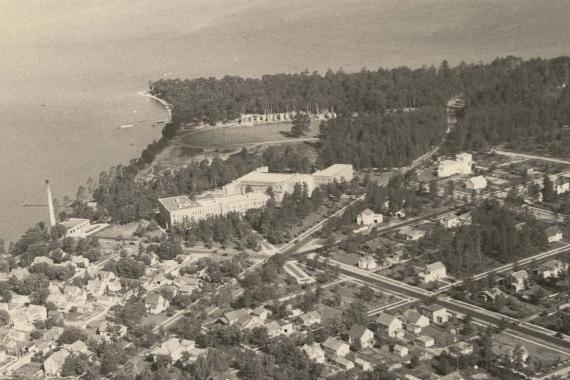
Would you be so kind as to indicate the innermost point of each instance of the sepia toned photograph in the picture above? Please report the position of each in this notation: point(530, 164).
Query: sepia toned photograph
point(285, 189)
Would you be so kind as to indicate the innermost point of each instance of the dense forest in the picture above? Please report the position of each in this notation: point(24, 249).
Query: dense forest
point(497, 232)
point(381, 139)
point(224, 99)
point(522, 103)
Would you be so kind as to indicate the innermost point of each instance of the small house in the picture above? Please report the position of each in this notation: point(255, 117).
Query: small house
point(519, 280)
point(410, 234)
point(436, 313)
point(310, 318)
point(476, 183)
point(360, 336)
point(155, 303)
point(433, 272)
point(367, 262)
point(392, 324)
point(425, 341)
point(553, 269)
point(335, 346)
point(368, 218)
point(314, 352)
point(414, 321)
point(553, 234)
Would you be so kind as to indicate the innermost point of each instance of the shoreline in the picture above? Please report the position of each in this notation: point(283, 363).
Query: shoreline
point(167, 106)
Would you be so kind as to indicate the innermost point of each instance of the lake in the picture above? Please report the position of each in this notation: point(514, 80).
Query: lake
point(70, 70)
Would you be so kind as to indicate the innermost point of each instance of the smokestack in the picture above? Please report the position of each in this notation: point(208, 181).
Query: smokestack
point(52, 221)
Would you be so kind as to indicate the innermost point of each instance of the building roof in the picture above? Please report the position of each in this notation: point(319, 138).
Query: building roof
point(334, 343)
point(177, 203)
point(57, 358)
point(553, 231)
point(409, 231)
point(425, 338)
point(385, 319)
point(260, 310)
point(553, 264)
point(333, 170)
point(73, 222)
point(310, 316)
point(77, 347)
point(153, 299)
point(358, 331)
point(412, 316)
point(433, 307)
point(438, 265)
point(520, 275)
point(265, 178)
point(182, 202)
point(312, 349)
point(478, 182)
point(367, 212)
point(235, 315)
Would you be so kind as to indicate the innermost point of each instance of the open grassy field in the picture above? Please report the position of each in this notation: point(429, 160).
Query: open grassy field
point(246, 135)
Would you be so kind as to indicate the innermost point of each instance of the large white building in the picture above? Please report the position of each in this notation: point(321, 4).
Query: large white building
point(181, 209)
point(247, 192)
point(461, 165)
point(336, 172)
point(76, 227)
point(260, 180)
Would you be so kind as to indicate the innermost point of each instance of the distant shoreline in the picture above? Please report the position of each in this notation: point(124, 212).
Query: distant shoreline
point(167, 106)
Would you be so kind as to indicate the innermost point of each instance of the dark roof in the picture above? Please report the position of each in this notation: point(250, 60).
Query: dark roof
point(357, 330)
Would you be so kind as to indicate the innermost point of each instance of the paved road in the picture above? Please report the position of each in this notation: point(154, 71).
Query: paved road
point(455, 305)
point(510, 266)
point(530, 156)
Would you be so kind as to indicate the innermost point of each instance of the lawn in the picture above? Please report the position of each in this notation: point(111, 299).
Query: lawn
point(118, 231)
point(504, 341)
point(235, 136)
point(349, 292)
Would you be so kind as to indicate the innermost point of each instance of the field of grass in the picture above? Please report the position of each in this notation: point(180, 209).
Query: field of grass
point(236, 136)
point(503, 342)
point(349, 293)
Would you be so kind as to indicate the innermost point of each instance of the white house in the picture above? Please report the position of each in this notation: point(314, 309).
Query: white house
point(335, 346)
point(369, 217)
point(314, 352)
point(476, 183)
point(401, 351)
point(425, 341)
point(553, 234)
point(155, 303)
point(76, 227)
point(392, 324)
point(414, 321)
point(310, 318)
point(519, 280)
point(410, 234)
point(360, 336)
point(436, 313)
point(367, 262)
point(278, 328)
point(54, 363)
point(553, 269)
point(174, 348)
point(461, 165)
point(433, 272)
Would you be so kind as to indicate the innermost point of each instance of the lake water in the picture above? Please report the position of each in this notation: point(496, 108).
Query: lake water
point(70, 70)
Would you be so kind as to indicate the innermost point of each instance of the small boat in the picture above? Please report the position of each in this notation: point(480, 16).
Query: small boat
point(125, 126)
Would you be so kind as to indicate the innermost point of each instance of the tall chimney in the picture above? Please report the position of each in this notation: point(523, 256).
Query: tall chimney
point(52, 221)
